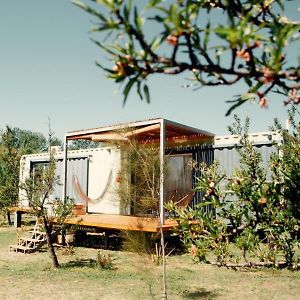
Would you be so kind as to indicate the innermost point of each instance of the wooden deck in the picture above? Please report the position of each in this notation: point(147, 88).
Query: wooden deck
point(108, 221)
point(20, 209)
point(117, 222)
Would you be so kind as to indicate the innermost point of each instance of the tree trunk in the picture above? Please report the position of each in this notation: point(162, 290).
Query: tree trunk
point(51, 250)
point(8, 218)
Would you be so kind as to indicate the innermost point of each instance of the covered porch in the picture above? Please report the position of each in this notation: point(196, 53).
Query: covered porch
point(164, 134)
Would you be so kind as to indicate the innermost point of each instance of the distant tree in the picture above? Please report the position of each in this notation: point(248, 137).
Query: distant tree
point(9, 171)
point(218, 42)
point(83, 144)
point(15, 142)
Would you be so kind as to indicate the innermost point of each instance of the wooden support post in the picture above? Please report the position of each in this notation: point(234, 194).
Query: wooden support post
point(106, 236)
point(8, 217)
point(18, 219)
point(65, 174)
point(162, 162)
point(65, 180)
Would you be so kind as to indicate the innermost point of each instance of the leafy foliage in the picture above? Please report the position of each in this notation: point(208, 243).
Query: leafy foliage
point(15, 142)
point(260, 216)
point(9, 170)
point(140, 167)
point(218, 42)
point(104, 261)
point(83, 144)
point(38, 190)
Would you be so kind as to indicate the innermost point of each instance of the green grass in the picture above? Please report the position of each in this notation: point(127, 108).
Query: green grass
point(133, 276)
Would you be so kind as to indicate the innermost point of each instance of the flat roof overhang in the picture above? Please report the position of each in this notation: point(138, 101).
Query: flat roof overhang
point(147, 131)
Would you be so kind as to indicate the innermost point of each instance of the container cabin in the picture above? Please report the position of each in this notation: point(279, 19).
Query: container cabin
point(97, 179)
point(101, 183)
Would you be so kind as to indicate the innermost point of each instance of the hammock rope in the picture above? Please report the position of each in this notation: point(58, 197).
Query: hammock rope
point(80, 192)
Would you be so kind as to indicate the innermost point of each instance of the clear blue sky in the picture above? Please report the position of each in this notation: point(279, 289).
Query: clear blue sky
point(47, 70)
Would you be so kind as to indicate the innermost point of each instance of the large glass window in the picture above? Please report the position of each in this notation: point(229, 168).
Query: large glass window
point(178, 182)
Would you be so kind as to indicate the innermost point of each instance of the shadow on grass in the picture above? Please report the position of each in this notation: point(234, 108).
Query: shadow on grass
point(80, 263)
point(43, 249)
point(86, 263)
point(201, 293)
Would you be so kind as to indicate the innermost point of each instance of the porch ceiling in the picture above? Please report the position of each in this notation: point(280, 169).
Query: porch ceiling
point(143, 131)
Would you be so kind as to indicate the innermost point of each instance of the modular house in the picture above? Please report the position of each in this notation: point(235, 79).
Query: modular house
point(93, 177)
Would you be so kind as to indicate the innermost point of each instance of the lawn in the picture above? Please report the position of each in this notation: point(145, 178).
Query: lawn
point(30, 276)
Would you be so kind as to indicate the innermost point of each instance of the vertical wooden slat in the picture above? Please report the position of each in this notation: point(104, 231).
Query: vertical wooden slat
point(65, 172)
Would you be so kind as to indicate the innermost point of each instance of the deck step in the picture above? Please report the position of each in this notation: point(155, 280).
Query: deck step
point(28, 239)
point(37, 232)
point(24, 249)
point(34, 240)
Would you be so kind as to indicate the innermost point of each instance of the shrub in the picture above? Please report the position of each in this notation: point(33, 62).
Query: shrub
point(261, 217)
point(104, 261)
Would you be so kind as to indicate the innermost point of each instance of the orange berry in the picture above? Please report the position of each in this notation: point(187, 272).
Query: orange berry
point(172, 40)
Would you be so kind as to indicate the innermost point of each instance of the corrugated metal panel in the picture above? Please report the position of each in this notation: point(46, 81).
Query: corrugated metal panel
point(200, 154)
point(266, 152)
point(229, 157)
point(178, 179)
point(57, 193)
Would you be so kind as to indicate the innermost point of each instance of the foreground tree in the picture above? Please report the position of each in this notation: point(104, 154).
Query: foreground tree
point(218, 42)
point(38, 190)
point(260, 216)
point(286, 166)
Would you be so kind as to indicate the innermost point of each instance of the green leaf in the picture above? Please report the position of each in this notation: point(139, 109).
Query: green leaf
point(248, 81)
point(153, 3)
point(174, 16)
point(128, 88)
point(99, 28)
point(106, 49)
point(119, 78)
point(237, 102)
point(138, 89)
point(88, 9)
point(157, 18)
point(146, 92)
point(104, 69)
point(126, 11)
point(206, 36)
point(157, 42)
point(110, 4)
point(138, 21)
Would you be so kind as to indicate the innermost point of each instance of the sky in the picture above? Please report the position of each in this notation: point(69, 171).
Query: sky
point(48, 71)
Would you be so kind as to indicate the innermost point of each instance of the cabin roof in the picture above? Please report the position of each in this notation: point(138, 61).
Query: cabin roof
point(143, 131)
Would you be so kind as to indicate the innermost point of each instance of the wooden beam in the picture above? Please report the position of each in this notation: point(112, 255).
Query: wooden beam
point(142, 130)
point(108, 137)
